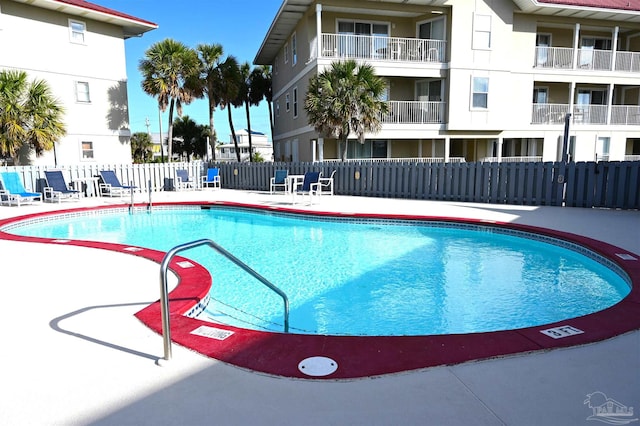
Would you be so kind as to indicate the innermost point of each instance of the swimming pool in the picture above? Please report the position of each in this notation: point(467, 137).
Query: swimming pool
point(367, 277)
point(287, 354)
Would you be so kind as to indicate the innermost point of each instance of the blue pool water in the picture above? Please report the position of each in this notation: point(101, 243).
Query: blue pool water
point(364, 277)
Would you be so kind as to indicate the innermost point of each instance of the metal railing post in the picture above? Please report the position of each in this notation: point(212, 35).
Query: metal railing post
point(164, 292)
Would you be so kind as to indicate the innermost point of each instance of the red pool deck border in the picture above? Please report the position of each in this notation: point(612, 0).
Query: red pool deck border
point(361, 356)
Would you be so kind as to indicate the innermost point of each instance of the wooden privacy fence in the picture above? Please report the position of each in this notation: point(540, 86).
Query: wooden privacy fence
point(602, 184)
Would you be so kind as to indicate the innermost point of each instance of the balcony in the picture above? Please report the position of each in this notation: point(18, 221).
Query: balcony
point(585, 114)
point(379, 48)
point(414, 112)
point(586, 59)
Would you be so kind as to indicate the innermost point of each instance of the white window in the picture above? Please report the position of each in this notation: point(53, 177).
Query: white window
point(602, 149)
point(87, 150)
point(286, 53)
point(480, 93)
point(82, 91)
point(481, 31)
point(295, 102)
point(294, 50)
point(77, 30)
point(287, 102)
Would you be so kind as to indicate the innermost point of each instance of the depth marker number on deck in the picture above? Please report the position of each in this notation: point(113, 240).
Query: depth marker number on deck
point(562, 331)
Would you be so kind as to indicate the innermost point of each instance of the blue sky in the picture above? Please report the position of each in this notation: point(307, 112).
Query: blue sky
point(238, 25)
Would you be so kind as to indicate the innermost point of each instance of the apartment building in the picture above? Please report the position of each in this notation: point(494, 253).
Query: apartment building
point(467, 80)
point(78, 48)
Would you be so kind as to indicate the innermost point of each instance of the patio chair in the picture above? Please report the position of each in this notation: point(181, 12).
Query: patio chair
point(212, 178)
point(310, 185)
point(183, 180)
point(12, 190)
point(57, 188)
point(326, 184)
point(110, 185)
point(279, 180)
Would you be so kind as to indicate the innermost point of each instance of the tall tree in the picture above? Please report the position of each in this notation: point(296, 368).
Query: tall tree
point(170, 72)
point(344, 99)
point(210, 81)
point(231, 80)
point(250, 94)
point(189, 138)
point(29, 114)
point(262, 82)
point(141, 147)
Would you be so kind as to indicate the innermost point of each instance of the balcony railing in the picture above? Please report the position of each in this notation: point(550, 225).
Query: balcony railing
point(549, 113)
point(414, 112)
point(515, 159)
point(625, 114)
point(585, 114)
point(400, 160)
point(587, 59)
point(348, 46)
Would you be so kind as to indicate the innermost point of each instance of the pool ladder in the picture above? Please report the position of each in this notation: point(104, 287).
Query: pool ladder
point(164, 297)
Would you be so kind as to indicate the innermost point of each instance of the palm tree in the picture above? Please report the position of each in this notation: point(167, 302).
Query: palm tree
point(250, 94)
point(209, 55)
point(192, 137)
point(141, 147)
point(262, 83)
point(170, 71)
point(29, 114)
point(344, 99)
point(230, 79)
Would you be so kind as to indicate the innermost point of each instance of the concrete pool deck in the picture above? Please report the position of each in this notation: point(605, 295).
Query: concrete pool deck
point(73, 352)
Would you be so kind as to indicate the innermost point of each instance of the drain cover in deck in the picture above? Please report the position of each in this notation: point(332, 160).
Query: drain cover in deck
point(317, 366)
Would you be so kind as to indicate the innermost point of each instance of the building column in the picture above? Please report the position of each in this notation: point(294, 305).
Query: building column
point(447, 149)
point(572, 93)
point(616, 30)
point(320, 149)
point(576, 40)
point(609, 103)
point(499, 149)
point(319, 29)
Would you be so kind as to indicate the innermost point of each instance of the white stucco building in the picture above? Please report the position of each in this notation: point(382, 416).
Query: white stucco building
point(467, 80)
point(259, 144)
point(78, 48)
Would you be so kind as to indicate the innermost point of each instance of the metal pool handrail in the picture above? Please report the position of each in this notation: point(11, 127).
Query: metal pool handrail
point(164, 297)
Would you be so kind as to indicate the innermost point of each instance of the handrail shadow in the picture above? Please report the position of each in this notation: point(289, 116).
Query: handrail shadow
point(55, 324)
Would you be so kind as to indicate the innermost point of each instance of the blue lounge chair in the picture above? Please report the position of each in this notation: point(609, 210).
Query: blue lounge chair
point(279, 180)
point(12, 190)
point(111, 186)
point(57, 188)
point(212, 178)
point(184, 181)
point(310, 185)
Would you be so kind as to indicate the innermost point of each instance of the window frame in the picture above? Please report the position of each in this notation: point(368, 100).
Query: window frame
point(73, 32)
point(286, 53)
point(79, 84)
point(474, 93)
point(84, 152)
point(478, 30)
point(294, 49)
point(295, 102)
point(287, 102)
